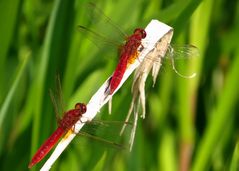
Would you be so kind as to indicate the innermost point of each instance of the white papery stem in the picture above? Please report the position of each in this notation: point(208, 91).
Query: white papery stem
point(155, 31)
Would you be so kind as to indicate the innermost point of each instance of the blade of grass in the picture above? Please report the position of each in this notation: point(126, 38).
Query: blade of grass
point(13, 88)
point(186, 90)
point(220, 115)
point(234, 166)
point(166, 153)
point(9, 11)
point(184, 17)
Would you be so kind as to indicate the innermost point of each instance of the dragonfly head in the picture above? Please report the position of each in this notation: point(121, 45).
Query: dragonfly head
point(140, 32)
point(81, 107)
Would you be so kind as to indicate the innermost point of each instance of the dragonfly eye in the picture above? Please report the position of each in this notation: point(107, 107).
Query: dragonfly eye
point(81, 106)
point(143, 32)
point(140, 32)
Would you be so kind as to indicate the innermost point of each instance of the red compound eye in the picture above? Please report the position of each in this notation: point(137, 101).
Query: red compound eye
point(143, 32)
point(140, 31)
point(81, 106)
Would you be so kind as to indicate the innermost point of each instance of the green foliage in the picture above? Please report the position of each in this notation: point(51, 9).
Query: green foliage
point(191, 124)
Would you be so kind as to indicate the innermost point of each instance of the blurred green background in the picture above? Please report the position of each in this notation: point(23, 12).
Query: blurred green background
point(191, 124)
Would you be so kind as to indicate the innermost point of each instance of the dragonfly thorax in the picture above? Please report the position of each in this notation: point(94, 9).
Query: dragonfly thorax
point(70, 118)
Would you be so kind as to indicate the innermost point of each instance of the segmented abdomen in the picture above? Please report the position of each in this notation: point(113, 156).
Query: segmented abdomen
point(47, 146)
point(118, 74)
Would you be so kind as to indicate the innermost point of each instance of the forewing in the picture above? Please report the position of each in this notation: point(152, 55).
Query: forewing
point(97, 38)
point(182, 51)
point(100, 29)
point(57, 99)
point(107, 132)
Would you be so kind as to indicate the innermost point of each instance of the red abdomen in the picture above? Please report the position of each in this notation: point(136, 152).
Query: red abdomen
point(47, 146)
point(118, 74)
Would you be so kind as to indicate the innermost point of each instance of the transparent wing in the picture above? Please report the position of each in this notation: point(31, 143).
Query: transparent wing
point(57, 99)
point(102, 140)
point(107, 132)
point(59, 93)
point(178, 52)
point(99, 18)
point(97, 38)
point(178, 56)
point(103, 31)
point(182, 51)
point(55, 106)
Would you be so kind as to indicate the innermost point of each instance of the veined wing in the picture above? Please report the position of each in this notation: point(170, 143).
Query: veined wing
point(97, 38)
point(177, 52)
point(176, 55)
point(103, 31)
point(107, 132)
point(98, 16)
point(57, 99)
point(182, 51)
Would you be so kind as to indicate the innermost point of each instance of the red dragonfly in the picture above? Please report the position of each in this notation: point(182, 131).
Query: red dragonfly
point(65, 124)
point(128, 52)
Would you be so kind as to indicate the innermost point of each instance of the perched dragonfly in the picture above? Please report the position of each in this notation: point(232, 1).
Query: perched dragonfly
point(128, 54)
point(130, 50)
point(65, 124)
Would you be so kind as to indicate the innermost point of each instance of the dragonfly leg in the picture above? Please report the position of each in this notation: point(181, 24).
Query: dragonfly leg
point(73, 129)
point(107, 89)
point(141, 48)
point(84, 120)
